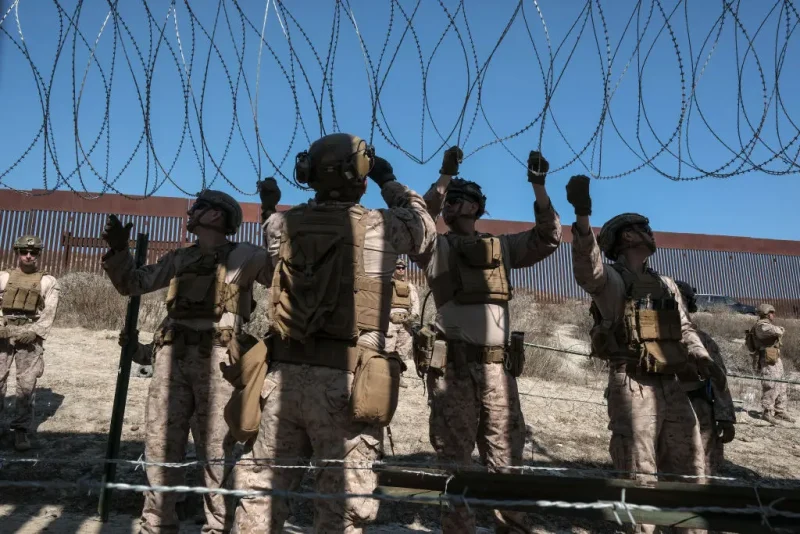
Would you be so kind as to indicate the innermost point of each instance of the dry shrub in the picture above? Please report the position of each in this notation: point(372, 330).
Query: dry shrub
point(90, 300)
point(259, 318)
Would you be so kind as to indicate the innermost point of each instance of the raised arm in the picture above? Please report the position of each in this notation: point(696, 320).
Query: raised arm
point(408, 226)
point(51, 291)
point(587, 262)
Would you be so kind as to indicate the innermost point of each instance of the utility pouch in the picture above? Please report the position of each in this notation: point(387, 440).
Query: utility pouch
point(423, 339)
point(439, 356)
point(376, 387)
point(515, 354)
point(771, 355)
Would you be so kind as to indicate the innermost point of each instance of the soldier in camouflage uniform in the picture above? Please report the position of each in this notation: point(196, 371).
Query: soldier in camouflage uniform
point(331, 296)
point(643, 330)
point(209, 299)
point(405, 312)
point(713, 406)
point(473, 393)
point(764, 342)
point(29, 301)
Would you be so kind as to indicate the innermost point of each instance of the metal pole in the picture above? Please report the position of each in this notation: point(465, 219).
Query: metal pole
point(121, 393)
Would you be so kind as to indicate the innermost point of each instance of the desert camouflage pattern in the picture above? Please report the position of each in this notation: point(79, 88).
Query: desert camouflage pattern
point(478, 404)
point(29, 360)
point(404, 228)
point(773, 394)
point(306, 407)
point(246, 264)
point(42, 319)
point(653, 426)
point(486, 324)
point(186, 385)
point(306, 412)
point(398, 338)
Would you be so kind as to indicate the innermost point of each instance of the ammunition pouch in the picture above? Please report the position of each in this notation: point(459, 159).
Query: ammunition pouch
point(23, 293)
point(376, 387)
point(659, 333)
point(515, 354)
point(770, 355)
point(246, 373)
point(201, 296)
point(430, 352)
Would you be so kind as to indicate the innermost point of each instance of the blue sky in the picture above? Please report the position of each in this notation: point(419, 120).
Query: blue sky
point(513, 94)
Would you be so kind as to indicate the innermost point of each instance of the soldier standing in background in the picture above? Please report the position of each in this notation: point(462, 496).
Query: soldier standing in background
point(29, 302)
point(405, 312)
point(208, 301)
point(764, 342)
point(713, 406)
point(331, 387)
point(643, 330)
point(473, 393)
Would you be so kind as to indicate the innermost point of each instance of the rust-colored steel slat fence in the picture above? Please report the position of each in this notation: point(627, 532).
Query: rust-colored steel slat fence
point(750, 270)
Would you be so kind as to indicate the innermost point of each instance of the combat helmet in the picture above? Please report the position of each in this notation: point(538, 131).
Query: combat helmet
point(609, 233)
point(765, 309)
point(400, 262)
point(688, 293)
point(335, 165)
point(226, 203)
point(466, 189)
point(27, 242)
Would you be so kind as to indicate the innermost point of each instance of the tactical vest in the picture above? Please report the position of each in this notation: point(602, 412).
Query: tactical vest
point(199, 291)
point(769, 353)
point(320, 288)
point(650, 331)
point(23, 294)
point(476, 273)
point(401, 295)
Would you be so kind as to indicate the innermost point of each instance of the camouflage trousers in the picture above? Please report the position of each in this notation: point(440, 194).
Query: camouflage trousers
point(653, 429)
point(773, 394)
point(187, 385)
point(29, 360)
point(305, 414)
point(477, 403)
point(398, 338)
point(712, 446)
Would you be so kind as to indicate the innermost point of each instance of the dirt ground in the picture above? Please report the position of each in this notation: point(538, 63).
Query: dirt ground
point(566, 423)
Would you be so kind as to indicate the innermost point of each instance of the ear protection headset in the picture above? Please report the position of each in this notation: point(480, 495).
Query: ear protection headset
point(345, 170)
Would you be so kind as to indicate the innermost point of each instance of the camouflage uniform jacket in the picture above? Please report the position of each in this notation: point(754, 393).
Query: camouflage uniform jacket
point(766, 334)
point(246, 264)
point(607, 289)
point(43, 319)
point(468, 322)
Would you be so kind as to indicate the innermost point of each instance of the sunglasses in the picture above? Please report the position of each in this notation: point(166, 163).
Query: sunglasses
point(400, 268)
point(29, 252)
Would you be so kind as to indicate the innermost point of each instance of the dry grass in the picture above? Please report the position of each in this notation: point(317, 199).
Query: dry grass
point(89, 300)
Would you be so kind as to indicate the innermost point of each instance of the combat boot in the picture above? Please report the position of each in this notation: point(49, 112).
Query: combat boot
point(21, 441)
point(785, 416)
point(769, 418)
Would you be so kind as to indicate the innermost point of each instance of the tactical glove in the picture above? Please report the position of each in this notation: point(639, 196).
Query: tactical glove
point(578, 195)
point(269, 192)
point(381, 172)
point(117, 236)
point(4, 333)
point(726, 431)
point(450, 161)
point(537, 168)
point(25, 337)
point(123, 337)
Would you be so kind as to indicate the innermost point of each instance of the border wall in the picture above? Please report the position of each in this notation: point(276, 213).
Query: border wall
point(750, 270)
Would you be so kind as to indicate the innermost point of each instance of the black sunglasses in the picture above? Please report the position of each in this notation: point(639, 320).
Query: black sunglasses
point(29, 251)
